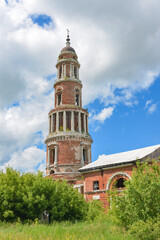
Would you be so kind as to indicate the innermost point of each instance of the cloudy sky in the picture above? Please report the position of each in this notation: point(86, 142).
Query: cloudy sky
point(117, 43)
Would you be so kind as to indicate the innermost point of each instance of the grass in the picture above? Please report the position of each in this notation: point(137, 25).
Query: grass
point(98, 230)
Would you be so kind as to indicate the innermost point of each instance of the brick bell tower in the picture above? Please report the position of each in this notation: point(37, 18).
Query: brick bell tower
point(68, 142)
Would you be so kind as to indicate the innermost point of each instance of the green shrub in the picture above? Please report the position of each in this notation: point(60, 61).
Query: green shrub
point(149, 230)
point(95, 211)
point(137, 208)
point(141, 199)
point(8, 215)
point(26, 196)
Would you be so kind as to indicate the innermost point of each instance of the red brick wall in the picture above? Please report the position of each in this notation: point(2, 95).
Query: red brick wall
point(103, 178)
point(68, 92)
point(69, 152)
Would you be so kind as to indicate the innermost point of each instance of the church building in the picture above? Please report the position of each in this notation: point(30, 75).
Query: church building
point(68, 142)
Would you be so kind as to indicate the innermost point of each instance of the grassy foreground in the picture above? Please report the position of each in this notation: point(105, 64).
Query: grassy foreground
point(65, 231)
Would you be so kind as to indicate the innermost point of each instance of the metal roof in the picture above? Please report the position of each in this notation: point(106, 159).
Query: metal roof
point(120, 158)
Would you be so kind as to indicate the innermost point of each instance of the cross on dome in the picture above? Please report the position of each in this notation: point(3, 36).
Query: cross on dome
point(68, 39)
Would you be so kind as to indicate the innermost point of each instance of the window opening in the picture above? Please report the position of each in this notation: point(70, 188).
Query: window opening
point(59, 99)
point(49, 123)
point(82, 122)
point(60, 72)
point(77, 99)
point(95, 185)
point(68, 121)
point(52, 172)
point(52, 156)
point(76, 121)
point(85, 155)
point(61, 121)
point(120, 183)
point(54, 122)
point(75, 72)
point(86, 124)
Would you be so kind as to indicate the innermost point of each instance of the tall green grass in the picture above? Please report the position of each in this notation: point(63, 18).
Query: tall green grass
point(98, 230)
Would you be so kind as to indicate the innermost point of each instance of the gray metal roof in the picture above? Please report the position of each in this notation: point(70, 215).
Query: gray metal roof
point(120, 158)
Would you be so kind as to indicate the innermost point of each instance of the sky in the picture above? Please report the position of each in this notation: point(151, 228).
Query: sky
point(117, 43)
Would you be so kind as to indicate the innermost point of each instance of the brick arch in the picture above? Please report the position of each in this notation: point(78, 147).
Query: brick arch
point(115, 177)
point(59, 88)
point(77, 88)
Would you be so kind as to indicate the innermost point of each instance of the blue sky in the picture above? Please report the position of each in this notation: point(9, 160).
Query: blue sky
point(130, 127)
point(118, 48)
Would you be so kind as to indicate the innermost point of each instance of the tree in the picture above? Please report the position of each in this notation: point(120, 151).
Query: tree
point(140, 201)
point(27, 195)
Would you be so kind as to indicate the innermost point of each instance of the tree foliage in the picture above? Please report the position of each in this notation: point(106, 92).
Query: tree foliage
point(95, 211)
point(140, 201)
point(26, 196)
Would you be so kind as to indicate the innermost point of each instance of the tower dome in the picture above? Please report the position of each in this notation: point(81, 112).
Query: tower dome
point(67, 49)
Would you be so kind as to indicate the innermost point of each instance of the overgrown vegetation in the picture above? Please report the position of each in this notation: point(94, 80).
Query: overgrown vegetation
point(26, 196)
point(97, 230)
point(137, 209)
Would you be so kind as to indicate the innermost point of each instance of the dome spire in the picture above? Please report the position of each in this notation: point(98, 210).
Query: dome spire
point(68, 39)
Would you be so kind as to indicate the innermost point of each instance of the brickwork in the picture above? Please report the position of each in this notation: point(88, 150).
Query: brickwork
point(68, 142)
point(68, 92)
point(103, 177)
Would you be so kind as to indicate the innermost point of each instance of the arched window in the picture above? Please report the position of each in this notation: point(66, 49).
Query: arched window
point(59, 99)
point(59, 96)
point(119, 183)
point(77, 97)
point(52, 156)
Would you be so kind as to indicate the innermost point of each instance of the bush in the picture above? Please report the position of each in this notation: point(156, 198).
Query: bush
point(149, 230)
point(135, 208)
point(95, 211)
point(26, 196)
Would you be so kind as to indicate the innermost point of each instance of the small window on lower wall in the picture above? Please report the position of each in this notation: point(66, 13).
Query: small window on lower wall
point(95, 185)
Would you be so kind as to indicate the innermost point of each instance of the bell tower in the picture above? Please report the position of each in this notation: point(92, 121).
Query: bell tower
point(68, 142)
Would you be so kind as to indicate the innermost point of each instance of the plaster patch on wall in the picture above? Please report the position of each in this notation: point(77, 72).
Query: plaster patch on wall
point(77, 152)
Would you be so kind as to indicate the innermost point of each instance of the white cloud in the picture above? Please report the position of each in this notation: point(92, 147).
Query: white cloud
point(26, 160)
point(104, 114)
point(148, 102)
point(151, 107)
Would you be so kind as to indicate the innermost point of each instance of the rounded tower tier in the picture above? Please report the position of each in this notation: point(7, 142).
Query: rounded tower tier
point(68, 142)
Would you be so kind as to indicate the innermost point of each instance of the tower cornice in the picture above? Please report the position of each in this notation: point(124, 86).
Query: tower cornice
point(68, 108)
point(67, 60)
point(67, 79)
point(68, 136)
point(67, 52)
